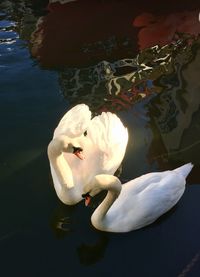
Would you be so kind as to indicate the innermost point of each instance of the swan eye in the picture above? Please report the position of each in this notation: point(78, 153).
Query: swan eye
point(85, 133)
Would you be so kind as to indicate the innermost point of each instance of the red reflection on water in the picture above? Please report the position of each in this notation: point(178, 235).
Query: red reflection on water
point(161, 29)
point(85, 32)
point(126, 99)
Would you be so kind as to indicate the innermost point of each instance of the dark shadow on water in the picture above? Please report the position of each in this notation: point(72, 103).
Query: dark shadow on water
point(65, 222)
point(90, 254)
point(62, 220)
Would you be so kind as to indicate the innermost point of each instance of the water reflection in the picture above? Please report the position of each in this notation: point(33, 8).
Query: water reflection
point(119, 85)
point(84, 36)
point(92, 253)
point(62, 221)
point(68, 222)
point(108, 82)
point(174, 114)
point(162, 29)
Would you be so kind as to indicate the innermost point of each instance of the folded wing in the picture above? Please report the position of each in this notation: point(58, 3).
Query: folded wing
point(109, 135)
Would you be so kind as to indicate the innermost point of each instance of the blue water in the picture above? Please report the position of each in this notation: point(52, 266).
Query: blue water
point(39, 236)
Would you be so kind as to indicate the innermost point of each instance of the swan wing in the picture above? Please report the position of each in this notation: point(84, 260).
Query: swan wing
point(75, 122)
point(140, 204)
point(110, 137)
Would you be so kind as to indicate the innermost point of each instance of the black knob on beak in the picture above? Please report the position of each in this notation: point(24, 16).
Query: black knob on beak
point(86, 195)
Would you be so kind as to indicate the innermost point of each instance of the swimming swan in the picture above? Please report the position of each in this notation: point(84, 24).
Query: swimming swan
point(137, 203)
point(100, 141)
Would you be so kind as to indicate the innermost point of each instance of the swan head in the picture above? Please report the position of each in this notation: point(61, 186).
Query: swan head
point(64, 144)
point(87, 198)
point(90, 190)
point(74, 149)
point(101, 182)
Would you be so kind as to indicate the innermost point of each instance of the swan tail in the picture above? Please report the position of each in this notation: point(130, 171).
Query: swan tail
point(185, 169)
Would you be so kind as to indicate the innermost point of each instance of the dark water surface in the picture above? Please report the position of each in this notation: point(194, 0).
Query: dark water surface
point(50, 60)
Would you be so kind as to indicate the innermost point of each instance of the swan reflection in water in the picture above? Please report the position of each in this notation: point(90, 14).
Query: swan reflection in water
point(92, 253)
point(91, 244)
point(70, 221)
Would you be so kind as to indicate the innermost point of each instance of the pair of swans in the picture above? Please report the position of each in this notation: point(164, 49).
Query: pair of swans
point(99, 145)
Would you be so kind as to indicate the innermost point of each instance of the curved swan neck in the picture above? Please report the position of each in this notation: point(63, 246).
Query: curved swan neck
point(113, 185)
point(58, 145)
point(59, 163)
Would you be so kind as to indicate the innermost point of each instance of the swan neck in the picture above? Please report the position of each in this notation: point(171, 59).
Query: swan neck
point(59, 163)
point(107, 203)
point(113, 185)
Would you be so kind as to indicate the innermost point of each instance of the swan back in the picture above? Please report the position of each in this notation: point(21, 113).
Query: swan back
point(135, 209)
point(143, 200)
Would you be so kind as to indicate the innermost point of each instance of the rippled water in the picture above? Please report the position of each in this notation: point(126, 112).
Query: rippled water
point(154, 90)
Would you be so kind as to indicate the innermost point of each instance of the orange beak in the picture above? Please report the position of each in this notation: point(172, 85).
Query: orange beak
point(87, 200)
point(80, 155)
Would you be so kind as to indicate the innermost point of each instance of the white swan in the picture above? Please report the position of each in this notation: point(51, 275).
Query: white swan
point(138, 202)
point(103, 142)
